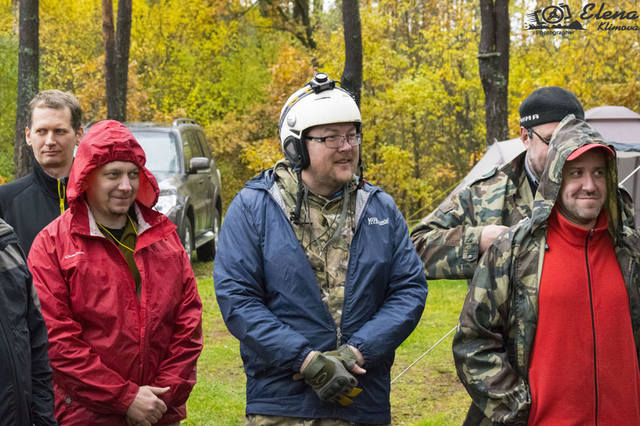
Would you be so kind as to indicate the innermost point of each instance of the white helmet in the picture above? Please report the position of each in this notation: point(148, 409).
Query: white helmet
point(319, 102)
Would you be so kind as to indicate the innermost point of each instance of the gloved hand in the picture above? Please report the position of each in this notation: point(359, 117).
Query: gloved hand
point(330, 380)
point(345, 355)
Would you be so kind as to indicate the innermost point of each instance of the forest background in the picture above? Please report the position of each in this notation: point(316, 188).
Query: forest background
point(231, 64)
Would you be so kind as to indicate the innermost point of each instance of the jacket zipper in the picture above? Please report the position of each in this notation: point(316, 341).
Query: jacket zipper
point(356, 227)
point(593, 325)
point(141, 314)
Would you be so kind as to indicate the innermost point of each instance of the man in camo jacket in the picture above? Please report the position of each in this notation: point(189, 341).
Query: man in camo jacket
point(547, 334)
point(451, 239)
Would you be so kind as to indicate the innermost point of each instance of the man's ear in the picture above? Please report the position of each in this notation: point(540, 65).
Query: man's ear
point(79, 134)
point(27, 135)
point(524, 137)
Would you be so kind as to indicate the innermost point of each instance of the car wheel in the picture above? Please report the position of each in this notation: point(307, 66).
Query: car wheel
point(207, 251)
point(187, 239)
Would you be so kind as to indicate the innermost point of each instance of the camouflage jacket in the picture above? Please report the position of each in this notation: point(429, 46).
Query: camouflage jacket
point(497, 326)
point(325, 234)
point(448, 240)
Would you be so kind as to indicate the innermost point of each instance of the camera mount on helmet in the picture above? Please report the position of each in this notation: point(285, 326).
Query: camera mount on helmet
point(321, 82)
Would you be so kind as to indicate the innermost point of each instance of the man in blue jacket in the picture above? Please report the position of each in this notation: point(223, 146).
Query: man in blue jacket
point(316, 275)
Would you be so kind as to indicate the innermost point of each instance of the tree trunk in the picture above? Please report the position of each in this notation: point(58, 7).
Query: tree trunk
point(352, 74)
point(493, 60)
point(109, 57)
point(301, 14)
point(123, 41)
point(28, 66)
point(116, 58)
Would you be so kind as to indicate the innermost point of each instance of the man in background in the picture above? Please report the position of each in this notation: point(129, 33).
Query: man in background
point(452, 239)
point(54, 130)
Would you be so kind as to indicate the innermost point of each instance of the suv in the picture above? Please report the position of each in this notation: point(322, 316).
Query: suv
point(180, 158)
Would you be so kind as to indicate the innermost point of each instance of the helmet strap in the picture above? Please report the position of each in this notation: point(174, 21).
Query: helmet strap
point(295, 214)
point(361, 170)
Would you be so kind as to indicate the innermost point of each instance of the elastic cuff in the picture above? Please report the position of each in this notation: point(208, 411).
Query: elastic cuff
point(297, 363)
point(129, 397)
point(362, 347)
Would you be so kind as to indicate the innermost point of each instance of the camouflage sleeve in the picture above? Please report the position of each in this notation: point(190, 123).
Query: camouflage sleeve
point(479, 347)
point(448, 240)
point(626, 208)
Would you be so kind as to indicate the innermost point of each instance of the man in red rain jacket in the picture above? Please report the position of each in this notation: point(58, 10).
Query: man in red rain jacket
point(118, 293)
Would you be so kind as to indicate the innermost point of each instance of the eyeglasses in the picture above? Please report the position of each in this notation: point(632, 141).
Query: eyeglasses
point(336, 141)
point(532, 132)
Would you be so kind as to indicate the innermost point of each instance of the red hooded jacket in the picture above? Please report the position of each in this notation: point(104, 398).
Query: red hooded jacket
point(103, 342)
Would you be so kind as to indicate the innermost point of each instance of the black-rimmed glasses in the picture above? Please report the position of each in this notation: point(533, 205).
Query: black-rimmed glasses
point(336, 141)
point(532, 132)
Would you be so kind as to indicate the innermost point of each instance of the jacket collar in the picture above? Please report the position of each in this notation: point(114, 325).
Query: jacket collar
point(151, 226)
point(576, 235)
point(266, 179)
point(515, 168)
point(47, 183)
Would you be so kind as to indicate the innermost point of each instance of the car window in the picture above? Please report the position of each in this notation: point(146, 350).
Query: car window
point(196, 149)
point(161, 150)
point(205, 145)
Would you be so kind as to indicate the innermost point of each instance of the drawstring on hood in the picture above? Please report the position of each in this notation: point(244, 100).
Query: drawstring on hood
point(105, 142)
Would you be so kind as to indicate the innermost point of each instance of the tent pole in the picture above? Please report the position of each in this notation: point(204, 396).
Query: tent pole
point(630, 174)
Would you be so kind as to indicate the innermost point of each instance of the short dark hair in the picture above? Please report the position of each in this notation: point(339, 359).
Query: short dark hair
point(57, 99)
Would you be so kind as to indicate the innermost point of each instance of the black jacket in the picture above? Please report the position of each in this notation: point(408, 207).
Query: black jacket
point(30, 203)
point(26, 393)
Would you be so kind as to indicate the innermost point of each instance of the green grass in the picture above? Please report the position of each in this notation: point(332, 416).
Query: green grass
point(428, 394)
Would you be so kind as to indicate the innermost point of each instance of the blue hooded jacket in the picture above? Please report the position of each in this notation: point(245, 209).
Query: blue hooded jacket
point(271, 302)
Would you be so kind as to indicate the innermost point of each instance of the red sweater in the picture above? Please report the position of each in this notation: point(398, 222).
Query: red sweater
point(583, 368)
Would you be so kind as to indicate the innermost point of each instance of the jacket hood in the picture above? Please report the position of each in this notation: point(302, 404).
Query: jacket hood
point(108, 141)
point(570, 135)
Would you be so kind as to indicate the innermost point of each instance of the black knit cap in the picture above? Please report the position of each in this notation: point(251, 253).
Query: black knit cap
point(548, 105)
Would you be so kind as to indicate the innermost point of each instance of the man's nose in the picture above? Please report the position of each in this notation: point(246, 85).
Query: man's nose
point(49, 138)
point(125, 184)
point(589, 183)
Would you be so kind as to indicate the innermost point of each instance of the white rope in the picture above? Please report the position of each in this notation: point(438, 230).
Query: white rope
point(424, 354)
point(630, 174)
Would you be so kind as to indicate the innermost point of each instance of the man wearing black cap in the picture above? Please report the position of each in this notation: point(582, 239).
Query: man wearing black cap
point(452, 238)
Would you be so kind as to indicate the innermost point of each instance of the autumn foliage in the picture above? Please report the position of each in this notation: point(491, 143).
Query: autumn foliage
point(230, 65)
